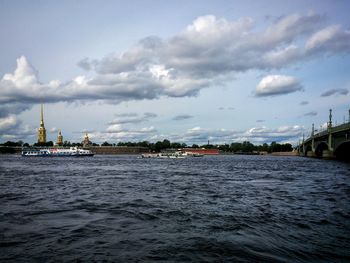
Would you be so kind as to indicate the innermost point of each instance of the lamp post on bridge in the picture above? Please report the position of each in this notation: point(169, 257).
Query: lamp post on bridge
point(303, 139)
point(329, 153)
point(303, 144)
point(330, 119)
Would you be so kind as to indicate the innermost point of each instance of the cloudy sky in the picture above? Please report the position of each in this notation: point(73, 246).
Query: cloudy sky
point(189, 71)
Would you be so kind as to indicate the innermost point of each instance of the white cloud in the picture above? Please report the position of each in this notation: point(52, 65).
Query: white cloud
point(159, 71)
point(8, 123)
point(206, 53)
point(198, 135)
point(129, 114)
point(256, 135)
point(114, 128)
point(277, 85)
point(195, 130)
point(53, 130)
point(133, 118)
point(329, 39)
point(24, 75)
point(282, 57)
point(12, 129)
point(287, 28)
point(116, 132)
point(283, 133)
point(150, 129)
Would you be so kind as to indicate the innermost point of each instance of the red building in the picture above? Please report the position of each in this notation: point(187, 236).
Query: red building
point(202, 151)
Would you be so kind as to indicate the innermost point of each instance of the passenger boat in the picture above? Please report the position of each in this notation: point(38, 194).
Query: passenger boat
point(55, 152)
point(163, 155)
point(171, 155)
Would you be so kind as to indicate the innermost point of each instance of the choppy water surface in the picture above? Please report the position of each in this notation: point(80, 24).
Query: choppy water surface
point(215, 208)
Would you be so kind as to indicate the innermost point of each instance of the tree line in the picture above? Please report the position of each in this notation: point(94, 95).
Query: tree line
point(235, 147)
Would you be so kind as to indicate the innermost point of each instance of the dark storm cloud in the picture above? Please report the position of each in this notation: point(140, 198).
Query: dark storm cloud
point(182, 117)
point(335, 92)
point(311, 113)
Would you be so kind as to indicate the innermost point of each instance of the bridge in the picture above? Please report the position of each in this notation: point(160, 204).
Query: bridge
point(332, 143)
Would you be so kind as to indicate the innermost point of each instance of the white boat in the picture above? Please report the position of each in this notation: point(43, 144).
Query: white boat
point(192, 154)
point(149, 155)
point(171, 155)
point(55, 152)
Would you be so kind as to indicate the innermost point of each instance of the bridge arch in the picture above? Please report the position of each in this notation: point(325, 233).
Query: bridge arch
point(307, 148)
point(320, 147)
point(342, 152)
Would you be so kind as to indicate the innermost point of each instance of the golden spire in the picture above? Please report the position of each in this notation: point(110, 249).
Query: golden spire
point(86, 141)
point(59, 141)
point(42, 116)
point(42, 130)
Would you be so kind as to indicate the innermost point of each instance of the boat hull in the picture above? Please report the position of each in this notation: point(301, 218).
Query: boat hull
point(53, 155)
point(56, 152)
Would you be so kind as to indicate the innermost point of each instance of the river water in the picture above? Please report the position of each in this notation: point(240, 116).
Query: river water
point(216, 208)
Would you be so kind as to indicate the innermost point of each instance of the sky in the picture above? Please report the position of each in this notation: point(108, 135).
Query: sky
point(187, 71)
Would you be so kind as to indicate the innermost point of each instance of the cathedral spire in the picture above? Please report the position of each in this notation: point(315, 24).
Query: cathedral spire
point(59, 141)
point(42, 130)
point(42, 116)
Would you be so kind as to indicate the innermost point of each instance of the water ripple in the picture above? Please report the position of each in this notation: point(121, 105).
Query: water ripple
point(218, 208)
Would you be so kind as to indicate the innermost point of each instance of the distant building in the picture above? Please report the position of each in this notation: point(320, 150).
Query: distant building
point(42, 130)
point(86, 141)
point(59, 141)
point(202, 151)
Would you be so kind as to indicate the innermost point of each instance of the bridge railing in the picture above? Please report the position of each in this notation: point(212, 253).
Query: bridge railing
point(338, 128)
point(321, 134)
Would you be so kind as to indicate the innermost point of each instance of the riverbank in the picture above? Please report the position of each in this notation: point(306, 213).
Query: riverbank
point(116, 150)
point(294, 153)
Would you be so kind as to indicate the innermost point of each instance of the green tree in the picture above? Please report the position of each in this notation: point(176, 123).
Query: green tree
point(247, 146)
point(236, 147)
point(44, 144)
point(67, 144)
point(166, 144)
point(144, 144)
point(13, 144)
point(224, 147)
point(158, 146)
point(275, 147)
point(175, 145)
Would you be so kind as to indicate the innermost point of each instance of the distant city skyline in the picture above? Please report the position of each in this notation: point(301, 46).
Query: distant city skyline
point(224, 71)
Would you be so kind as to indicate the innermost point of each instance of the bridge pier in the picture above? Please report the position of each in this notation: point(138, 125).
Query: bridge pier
point(328, 154)
point(310, 154)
